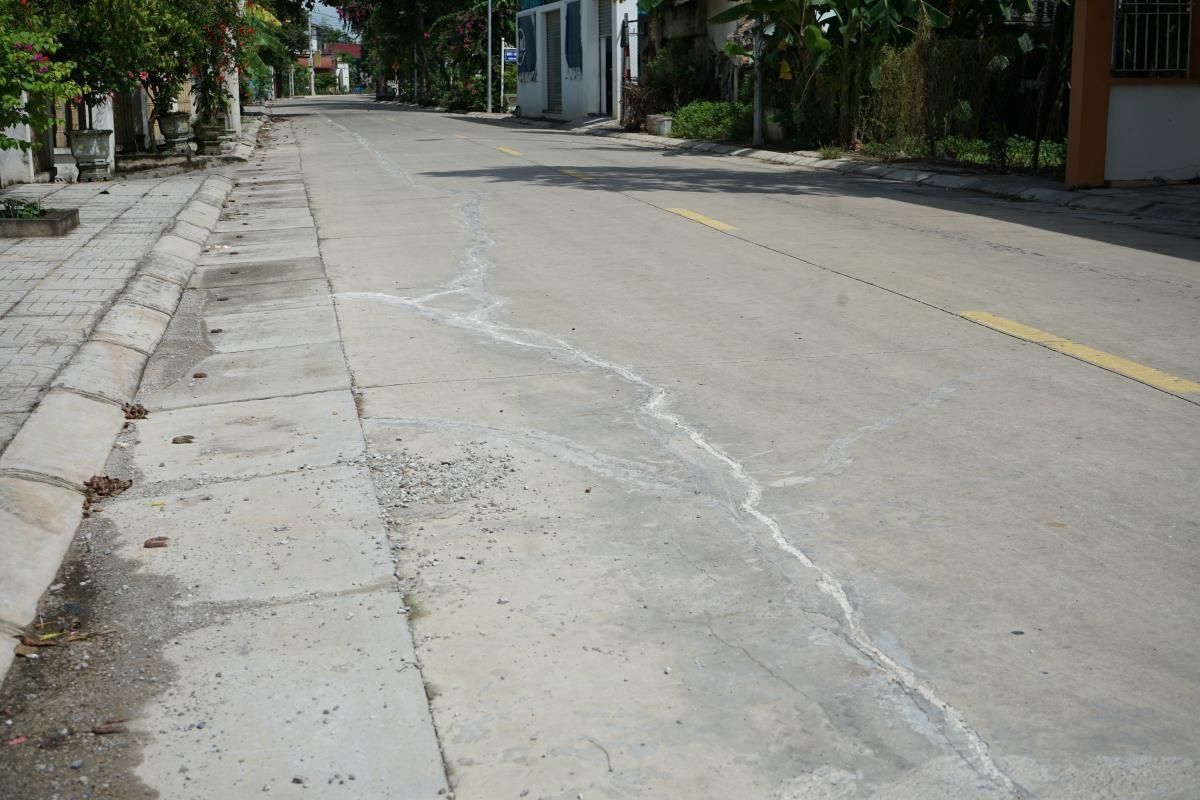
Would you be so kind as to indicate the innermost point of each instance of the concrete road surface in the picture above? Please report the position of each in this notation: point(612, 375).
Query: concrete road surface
point(715, 479)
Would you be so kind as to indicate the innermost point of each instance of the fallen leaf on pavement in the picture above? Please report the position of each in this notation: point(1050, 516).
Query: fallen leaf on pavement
point(110, 726)
point(199, 374)
point(134, 411)
point(155, 541)
point(183, 439)
point(99, 486)
point(45, 640)
point(17, 741)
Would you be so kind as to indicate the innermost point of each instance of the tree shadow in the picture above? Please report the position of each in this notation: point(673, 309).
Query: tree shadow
point(712, 173)
point(1177, 240)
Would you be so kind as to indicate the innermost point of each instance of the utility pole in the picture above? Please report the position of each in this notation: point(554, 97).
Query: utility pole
point(503, 102)
point(758, 93)
point(489, 67)
point(312, 58)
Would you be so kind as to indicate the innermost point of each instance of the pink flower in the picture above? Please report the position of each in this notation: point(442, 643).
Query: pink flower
point(144, 75)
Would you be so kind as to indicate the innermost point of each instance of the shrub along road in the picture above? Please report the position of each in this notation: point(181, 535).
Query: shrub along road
point(702, 478)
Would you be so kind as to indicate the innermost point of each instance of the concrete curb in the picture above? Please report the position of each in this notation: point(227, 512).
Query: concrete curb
point(68, 437)
point(1009, 187)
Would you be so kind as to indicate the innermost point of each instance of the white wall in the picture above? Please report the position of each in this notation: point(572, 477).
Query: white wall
point(16, 166)
point(581, 88)
point(1153, 132)
point(621, 9)
point(531, 94)
point(102, 119)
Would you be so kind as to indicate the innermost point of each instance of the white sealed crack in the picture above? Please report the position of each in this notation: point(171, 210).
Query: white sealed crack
point(471, 282)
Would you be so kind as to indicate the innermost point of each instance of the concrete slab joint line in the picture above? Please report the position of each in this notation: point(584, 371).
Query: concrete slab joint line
point(68, 436)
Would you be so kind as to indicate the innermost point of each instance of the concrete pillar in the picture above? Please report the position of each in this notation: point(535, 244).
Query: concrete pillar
point(102, 119)
point(1091, 77)
point(233, 120)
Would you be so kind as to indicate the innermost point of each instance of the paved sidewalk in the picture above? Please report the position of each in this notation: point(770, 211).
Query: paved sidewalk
point(264, 649)
point(54, 291)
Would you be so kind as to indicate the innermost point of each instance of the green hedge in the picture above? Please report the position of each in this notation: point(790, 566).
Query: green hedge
point(705, 119)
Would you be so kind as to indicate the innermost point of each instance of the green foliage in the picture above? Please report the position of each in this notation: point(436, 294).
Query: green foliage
point(830, 152)
point(998, 151)
point(706, 119)
point(15, 208)
point(326, 83)
point(30, 72)
point(676, 73)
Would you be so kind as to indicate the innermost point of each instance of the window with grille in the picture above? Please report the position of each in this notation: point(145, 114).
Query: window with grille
point(1152, 38)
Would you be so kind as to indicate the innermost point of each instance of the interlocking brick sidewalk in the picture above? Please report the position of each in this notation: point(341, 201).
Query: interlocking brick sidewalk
point(54, 291)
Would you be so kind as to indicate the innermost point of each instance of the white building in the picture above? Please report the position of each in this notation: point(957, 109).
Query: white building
point(570, 57)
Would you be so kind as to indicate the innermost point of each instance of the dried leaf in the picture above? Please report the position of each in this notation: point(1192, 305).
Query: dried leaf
point(134, 411)
point(110, 726)
point(183, 439)
point(45, 640)
point(155, 541)
point(99, 486)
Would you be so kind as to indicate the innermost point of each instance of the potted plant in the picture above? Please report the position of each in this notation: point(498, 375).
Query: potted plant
point(107, 42)
point(210, 95)
point(179, 44)
point(210, 99)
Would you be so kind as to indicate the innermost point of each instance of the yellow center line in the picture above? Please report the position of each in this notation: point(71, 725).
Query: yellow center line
point(1113, 363)
point(508, 151)
point(570, 173)
point(703, 220)
point(460, 136)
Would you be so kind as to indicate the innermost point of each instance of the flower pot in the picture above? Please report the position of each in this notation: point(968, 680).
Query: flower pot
point(92, 151)
point(208, 137)
point(175, 129)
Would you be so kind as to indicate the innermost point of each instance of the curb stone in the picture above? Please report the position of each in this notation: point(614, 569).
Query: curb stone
point(68, 437)
point(1009, 187)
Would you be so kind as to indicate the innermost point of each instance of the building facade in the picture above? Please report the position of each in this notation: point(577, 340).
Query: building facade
point(1135, 92)
point(572, 58)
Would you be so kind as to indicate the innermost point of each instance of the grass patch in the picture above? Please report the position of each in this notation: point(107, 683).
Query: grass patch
point(705, 119)
point(14, 208)
point(1015, 152)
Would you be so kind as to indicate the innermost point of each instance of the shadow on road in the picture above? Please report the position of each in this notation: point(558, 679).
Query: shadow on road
point(686, 171)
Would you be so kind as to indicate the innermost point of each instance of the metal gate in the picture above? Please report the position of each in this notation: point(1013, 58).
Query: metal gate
point(604, 18)
point(125, 109)
point(554, 57)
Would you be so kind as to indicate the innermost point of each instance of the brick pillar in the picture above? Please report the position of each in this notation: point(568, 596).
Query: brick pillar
point(1091, 75)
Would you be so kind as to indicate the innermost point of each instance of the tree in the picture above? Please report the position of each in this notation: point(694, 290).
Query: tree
point(31, 73)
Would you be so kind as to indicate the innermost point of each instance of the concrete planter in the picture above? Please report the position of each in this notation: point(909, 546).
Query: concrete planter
point(658, 124)
point(175, 129)
point(55, 222)
point(209, 137)
point(92, 151)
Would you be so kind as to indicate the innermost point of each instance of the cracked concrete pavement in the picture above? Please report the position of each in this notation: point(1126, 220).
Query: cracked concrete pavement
point(670, 509)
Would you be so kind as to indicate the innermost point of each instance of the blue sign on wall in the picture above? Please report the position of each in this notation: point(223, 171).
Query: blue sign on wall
point(527, 47)
point(510, 55)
